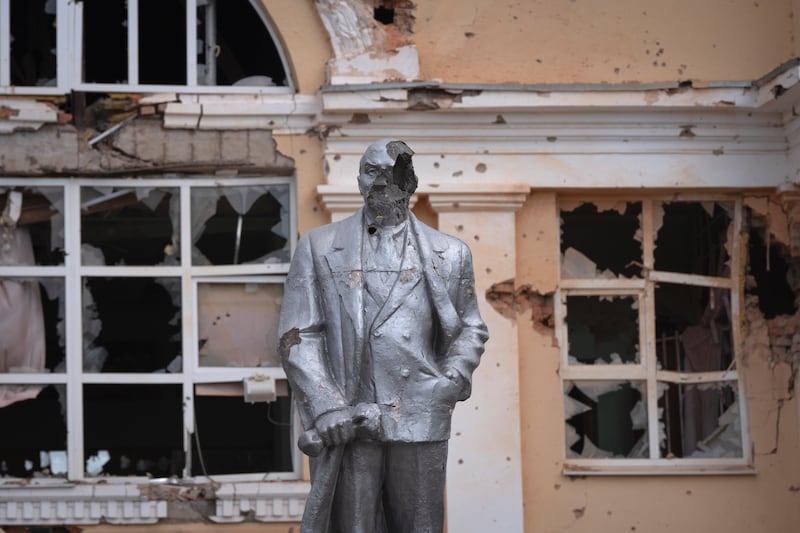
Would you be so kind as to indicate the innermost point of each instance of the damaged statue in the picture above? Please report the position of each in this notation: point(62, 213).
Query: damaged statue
point(380, 335)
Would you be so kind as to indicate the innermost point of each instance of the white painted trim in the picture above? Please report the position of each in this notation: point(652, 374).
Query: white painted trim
point(132, 29)
point(5, 44)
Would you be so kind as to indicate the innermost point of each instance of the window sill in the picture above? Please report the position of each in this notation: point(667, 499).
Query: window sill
point(658, 467)
point(128, 504)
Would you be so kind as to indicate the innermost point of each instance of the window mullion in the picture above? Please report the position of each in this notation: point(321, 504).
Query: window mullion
point(74, 329)
point(133, 42)
point(191, 43)
point(649, 345)
point(188, 325)
point(737, 273)
point(64, 55)
point(5, 43)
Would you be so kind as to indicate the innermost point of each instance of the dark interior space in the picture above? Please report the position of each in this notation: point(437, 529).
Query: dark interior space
point(139, 425)
point(692, 240)
point(105, 41)
point(598, 327)
point(384, 15)
point(769, 265)
point(33, 32)
point(162, 42)
point(31, 426)
point(237, 437)
point(140, 323)
point(605, 237)
point(127, 230)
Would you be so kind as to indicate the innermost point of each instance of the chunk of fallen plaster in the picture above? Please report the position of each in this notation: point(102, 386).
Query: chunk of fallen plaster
point(95, 463)
point(58, 462)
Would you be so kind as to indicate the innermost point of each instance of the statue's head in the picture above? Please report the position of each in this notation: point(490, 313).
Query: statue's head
point(386, 180)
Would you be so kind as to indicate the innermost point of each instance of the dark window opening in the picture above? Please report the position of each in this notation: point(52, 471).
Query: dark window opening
point(105, 41)
point(692, 238)
point(700, 420)
point(384, 15)
point(606, 419)
point(133, 430)
point(237, 48)
point(234, 437)
point(775, 295)
point(33, 43)
point(129, 226)
point(162, 42)
point(594, 242)
point(132, 325)
point(693, 328)
point(229, 237)
point(603, 329)
point(35, 432)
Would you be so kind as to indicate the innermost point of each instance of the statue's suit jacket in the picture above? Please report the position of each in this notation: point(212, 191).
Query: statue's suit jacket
point(428, 324)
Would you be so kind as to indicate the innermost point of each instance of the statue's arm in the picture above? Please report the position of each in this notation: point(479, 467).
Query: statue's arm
point(302, 340)
point(465, 351)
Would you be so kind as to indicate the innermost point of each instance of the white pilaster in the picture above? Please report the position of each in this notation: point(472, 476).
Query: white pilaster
point(484, 471)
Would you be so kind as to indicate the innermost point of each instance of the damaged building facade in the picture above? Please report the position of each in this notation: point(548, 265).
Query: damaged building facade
point(628, 179)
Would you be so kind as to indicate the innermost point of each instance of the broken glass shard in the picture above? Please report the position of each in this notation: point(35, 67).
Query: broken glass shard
point(701, 420)
point(604, 419)
point(693, 238)
point(131, 324)
point(607, 238)
point(237, 225)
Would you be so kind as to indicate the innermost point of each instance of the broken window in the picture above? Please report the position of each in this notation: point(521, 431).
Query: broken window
point(167, 293)
point(179, 42)
point(647, 312)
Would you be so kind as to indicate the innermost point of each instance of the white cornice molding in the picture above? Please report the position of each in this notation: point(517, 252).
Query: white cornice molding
point(482, 197)
point(24, 114)
point(340, 199)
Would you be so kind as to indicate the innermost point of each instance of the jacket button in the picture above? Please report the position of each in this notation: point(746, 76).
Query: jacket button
point(405, 372)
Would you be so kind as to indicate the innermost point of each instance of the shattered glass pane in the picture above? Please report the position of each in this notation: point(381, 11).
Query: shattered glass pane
point(692, 237)
point(601, 243)
point(234, 437)
point(35, 235)
point(237, 225)
point(130, 226)
point(34, 441)
point(33, 43)
point(162, 42)
point(230, 30)
point(606, 419)
point(105, 41)
point(699, 420)
point(603, 329)
point(132, 325)
point(133, 430)
point(32, 325)
point(238, 323)
point(693, 328)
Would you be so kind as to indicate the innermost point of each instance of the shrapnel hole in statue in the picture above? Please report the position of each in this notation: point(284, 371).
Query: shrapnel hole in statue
point(380, 334)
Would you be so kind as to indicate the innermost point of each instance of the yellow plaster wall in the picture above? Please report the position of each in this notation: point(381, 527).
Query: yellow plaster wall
point(307, 154)
point(585, 41)
point(304, 41)
point(767, 502)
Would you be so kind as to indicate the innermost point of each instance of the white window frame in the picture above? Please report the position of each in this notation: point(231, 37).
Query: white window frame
point(647, 371)
point(72, 271)
point(69, 58)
